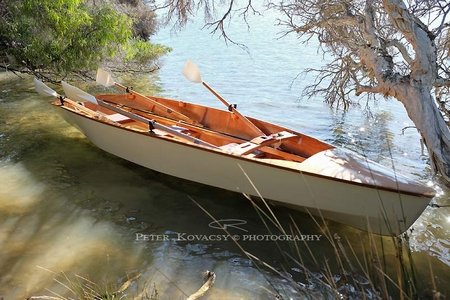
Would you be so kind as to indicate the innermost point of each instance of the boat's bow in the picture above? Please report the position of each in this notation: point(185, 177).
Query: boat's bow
point(342, 165)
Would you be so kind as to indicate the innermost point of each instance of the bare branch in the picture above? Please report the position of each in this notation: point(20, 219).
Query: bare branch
point(336, 21)
point(180, 12)
point(417, 34)
point(401, 48)
point(369, 29)
point(368, 89)
point(443, 25)
point(441, 82)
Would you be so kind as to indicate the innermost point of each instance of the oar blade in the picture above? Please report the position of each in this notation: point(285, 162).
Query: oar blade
point(104, 78)
point(43, 89)
point(192, 72)
point(77, 94)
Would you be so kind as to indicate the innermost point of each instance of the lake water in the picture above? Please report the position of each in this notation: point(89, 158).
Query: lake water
point(66, 206)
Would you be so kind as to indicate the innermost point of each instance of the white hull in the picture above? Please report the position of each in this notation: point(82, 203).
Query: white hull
point(345, 202)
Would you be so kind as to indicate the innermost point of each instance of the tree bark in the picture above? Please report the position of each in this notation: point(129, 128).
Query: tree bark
point(423, 111)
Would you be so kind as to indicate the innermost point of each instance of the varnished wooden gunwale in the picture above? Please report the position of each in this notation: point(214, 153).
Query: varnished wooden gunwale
point(215, 137)
point(221, 121)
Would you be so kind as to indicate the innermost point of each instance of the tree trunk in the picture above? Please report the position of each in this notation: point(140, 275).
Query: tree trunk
point(423, 111)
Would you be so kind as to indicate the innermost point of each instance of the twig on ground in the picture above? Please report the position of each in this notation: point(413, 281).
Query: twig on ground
point(210, 278)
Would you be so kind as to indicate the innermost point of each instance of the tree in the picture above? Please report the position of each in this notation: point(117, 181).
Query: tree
point(394, 48)
point(54, 39)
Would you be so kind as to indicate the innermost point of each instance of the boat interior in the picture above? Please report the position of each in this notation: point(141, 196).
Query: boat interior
point(222, 129)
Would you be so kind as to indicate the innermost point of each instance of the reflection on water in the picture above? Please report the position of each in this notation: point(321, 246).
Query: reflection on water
point(67, 206)
point(19, 190)
point(40, 223)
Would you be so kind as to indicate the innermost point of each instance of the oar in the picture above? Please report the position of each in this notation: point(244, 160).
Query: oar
point(80, 95)
point(192, 73)
point(45, 90)
point(105, 78)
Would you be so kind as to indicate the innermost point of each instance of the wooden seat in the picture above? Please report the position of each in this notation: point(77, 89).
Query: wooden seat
point(245, 148)
point(270, 139)
point(228, 148)
point(261, 141)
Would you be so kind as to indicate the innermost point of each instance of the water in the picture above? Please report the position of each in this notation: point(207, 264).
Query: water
point(66, 206)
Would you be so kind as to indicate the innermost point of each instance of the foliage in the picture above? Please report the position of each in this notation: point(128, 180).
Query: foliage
point(55, 39)
point(144, 21)
point(143, 52)
point(83, 288)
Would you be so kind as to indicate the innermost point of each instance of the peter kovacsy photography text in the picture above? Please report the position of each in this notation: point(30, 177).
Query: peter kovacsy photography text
point(185, 237)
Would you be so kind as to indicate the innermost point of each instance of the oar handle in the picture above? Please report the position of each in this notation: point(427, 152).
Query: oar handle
point(156, 103)
point(217, 95)
point(249, 123)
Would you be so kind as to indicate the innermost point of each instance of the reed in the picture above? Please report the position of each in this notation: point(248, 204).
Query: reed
point(81, 288)
point(370, 273)
point(347, 274)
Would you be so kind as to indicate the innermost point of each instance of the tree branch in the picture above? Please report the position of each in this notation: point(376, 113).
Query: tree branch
point(441, 28)
point(401, 48)
point(443, 25)
point(441, 82)
point(416, 33)
point(210, 277)
point(335, 21)
point(369, 28)
point(368, 89)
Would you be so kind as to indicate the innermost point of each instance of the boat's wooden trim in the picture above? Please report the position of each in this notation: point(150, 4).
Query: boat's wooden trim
point(244, 158)
point(260, 147)
point(261, 141)
point(267, 140)
point(304, 145)
point(168, 110)
point(263, 148)
point(276, 137)
point(152, 124)
point(224, 122)
point(282, 154)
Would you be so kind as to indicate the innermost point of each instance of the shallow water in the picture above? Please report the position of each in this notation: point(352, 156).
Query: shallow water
point(66, 206)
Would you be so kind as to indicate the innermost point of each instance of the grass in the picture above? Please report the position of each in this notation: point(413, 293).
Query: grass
point(352, 276)
point(81, 288)
point(374, 274)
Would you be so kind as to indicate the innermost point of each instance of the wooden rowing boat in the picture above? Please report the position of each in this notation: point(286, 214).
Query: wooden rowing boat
point(216, 147)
